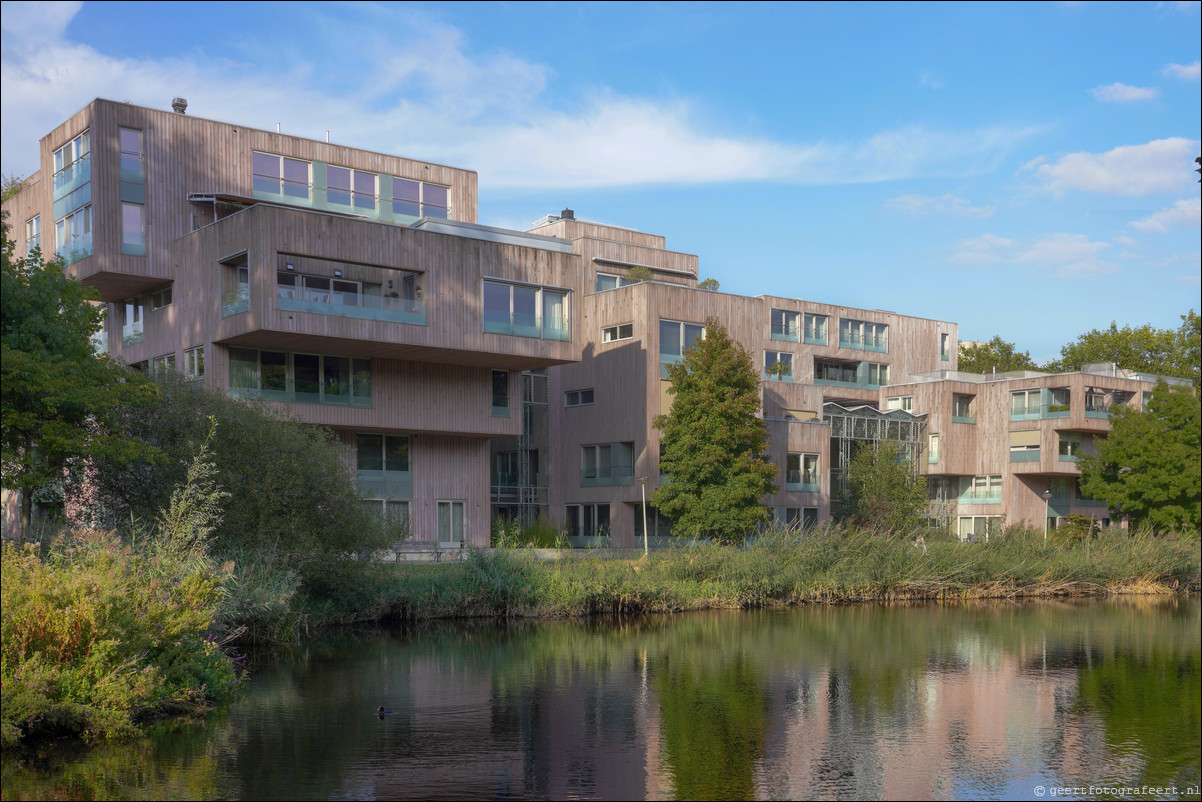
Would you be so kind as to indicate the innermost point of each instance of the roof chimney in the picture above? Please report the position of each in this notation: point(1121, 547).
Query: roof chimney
point(179, 105)
point(567, 214)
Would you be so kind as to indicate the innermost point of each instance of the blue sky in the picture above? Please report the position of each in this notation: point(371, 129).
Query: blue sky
point(1022, 169)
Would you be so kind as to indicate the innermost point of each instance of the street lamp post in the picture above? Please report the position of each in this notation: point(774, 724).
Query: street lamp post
point(1047, 501)
point(643, 486)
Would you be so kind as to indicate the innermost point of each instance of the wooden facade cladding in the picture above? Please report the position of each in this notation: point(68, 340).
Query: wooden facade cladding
point(184, 155)
point(577, 229)
point(450, 273)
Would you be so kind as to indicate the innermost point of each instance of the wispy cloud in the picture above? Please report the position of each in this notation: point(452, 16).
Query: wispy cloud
point(944, 204)
point(1182, 214)
point(928, 80)
point(1186, 72)
point(1122, 93)
point(430, 97)
point(1161, 165)
point(1063, 254)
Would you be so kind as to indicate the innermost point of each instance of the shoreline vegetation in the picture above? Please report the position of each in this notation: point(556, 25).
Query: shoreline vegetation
point(102, 632)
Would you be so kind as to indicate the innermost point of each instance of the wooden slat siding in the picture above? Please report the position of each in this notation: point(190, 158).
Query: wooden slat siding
point(443, 469)
point(984, 448)
point(625, 413)
point(22, 207)
point(184, 154)
point(452, 272)
point(575, 229)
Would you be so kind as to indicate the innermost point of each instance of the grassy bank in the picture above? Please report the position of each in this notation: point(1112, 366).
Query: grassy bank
point(781, 568)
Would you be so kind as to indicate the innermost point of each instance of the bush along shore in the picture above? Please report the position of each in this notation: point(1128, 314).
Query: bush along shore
point(105, 632)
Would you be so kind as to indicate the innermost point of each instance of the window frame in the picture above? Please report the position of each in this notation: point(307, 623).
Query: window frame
point(280, 178)
point(579, 394)
point(781, 356)
point(613, 334)
point(541, 294)
point(452, 505)
point(785, 325)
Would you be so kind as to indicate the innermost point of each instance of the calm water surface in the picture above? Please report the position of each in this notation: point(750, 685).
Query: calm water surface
point(921, 702)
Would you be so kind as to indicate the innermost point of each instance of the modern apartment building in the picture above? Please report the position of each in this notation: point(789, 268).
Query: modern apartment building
point(472, 371)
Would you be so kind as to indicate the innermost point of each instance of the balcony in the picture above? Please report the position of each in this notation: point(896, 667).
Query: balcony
point(864, 343)
point(970, 419)
point(355, 305)
point(607, 477)
point(1028, 455)
point(76, 248)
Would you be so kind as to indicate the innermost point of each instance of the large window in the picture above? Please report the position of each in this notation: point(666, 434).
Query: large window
point(280, 175)
point(815, 329)
point(786, 325)
point(1071, 444)
point(382, 465)
point(194, 362)
point(133, 315)
point(801, 472)
point(353, 188)
point(301, 378)
point(451, 521)
point(500, 393)
point(73, 235)
point(325, 295)
point(525, 310)
point(863, 335)
point(33, 234)
point(133, 233)
point(981, 489)
point(862, 374)
point(675, 338)
point(607, 464)
point(418, 199)
point(778, 366)
point(588, 520)
point(1025, 404)
point(72, 165)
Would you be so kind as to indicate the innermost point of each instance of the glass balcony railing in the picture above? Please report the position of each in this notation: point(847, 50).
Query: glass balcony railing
point(964, 419)
point(76, 248)
point(73, 176)
point(602, 477)
point(1030, 455)
point(862, 343)
point(349, 304)
point(235, 302)
point(785, 332)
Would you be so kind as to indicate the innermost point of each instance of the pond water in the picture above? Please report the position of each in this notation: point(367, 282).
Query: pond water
point(981, 701)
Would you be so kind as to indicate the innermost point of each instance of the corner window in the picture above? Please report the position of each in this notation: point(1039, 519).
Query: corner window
point(1071, 444)
point(801, 472)
point(675, 338)
point(73, 235)
point(160, 299)
point(962, 409)
point(614, 333)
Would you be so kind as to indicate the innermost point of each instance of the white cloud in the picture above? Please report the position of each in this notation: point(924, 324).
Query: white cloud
point(944, 204)
point(1063, 254)
point(1183, 213)
point(429, 97)
point(1122, 93)
point(1124, 240)
point(1186, 72)
point(1162, 165)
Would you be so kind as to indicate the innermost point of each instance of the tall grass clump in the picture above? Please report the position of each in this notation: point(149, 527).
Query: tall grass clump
point(103, 631)
point(542, 533)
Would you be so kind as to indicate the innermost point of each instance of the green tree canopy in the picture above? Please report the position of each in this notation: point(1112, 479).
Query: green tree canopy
point(57, 394)
point(1168, 352)
point(714, 444)
point(995, 355)
point(884, 492)
point(1149, 467)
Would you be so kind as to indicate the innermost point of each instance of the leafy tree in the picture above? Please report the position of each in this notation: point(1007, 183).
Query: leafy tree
point(1149, 467)
point(639, 274)
point(1145, 348)
point(995, 355)
point(10, 185)
point(714, 445)
point(57, 394)
point(289, 493)
point(710, 284)
point(883, 492)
